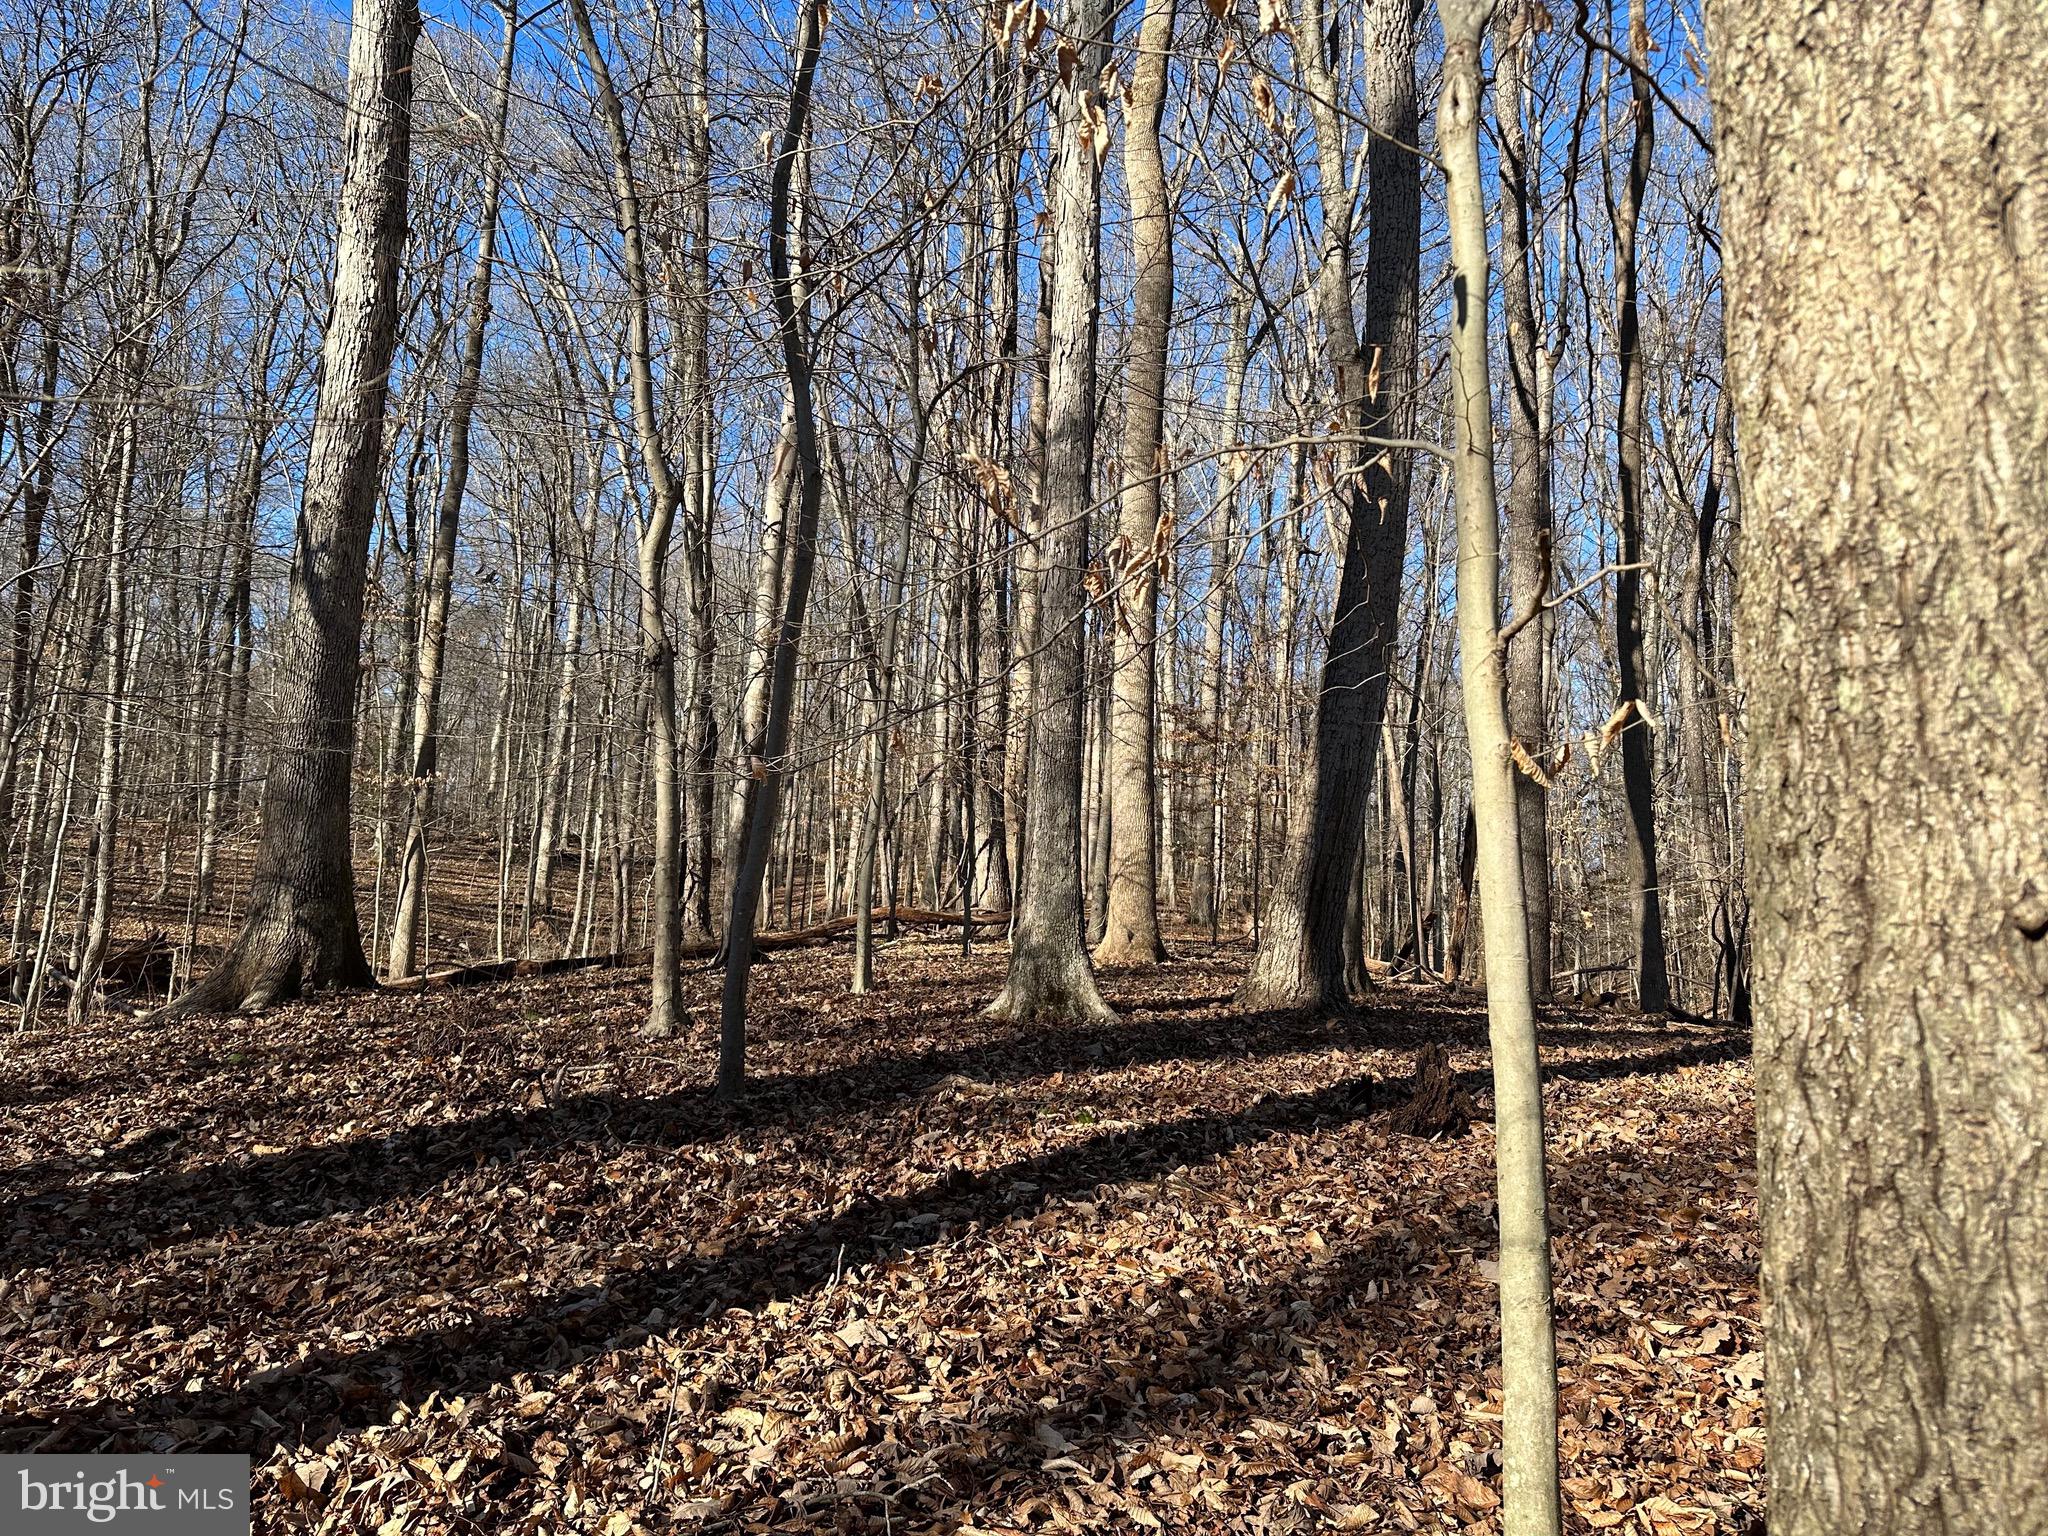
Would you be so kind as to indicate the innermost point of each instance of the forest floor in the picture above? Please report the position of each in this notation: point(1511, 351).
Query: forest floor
point(485, 1260)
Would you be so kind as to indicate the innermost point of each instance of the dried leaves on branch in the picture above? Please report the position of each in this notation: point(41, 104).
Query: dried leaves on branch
point(486, 1260)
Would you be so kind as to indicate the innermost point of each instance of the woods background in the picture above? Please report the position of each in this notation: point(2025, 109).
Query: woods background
point(166, 261)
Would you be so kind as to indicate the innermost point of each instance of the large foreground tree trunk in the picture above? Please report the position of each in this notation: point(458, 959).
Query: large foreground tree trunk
point(1885, 177)
point(301, 930)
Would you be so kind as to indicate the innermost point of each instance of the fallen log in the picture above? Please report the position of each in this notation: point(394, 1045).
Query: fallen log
point(703, 949)
point(140, 965)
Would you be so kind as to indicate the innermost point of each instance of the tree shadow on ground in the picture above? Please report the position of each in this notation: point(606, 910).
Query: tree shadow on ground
point(286, 1189)
point(328, 1392)
point(1312, 1314)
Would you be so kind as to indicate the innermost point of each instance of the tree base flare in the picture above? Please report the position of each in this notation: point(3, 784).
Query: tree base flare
point(281, 955)
point(1050, 990)
point(1327, 996)
point(1130, 948)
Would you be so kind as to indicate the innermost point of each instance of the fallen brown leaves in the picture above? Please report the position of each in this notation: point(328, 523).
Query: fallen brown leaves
point(487, 1261)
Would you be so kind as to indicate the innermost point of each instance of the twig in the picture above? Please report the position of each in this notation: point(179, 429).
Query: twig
point(1515, 628)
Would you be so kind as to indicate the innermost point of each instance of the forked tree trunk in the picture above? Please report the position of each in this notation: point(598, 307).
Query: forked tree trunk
point(1528, 1333)
point(1050, 976)
point(770, 768)
point(301, 930)
point(1885, 186)
point(1130, 932)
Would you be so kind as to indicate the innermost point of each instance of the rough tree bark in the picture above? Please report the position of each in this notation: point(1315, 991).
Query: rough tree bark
point(1885, 188)
point(1300, 961)
point(1130, 932)
point(1528, 1332)
point(1049, 974)
point(301, 930)
point(1639, 790)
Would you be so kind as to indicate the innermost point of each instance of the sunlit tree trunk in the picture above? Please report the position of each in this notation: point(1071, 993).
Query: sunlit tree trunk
point(1131, 913)
point(767, 771)
point(1528, 487)
point(1885, 191)
point(1300, 961)
point(657, 649)
point(425, 735)
point(301, 929)
point(1049, 972)
point(1528, 1334)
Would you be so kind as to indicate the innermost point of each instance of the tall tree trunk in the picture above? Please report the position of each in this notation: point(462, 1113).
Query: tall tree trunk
point(1131, 914)
point(301, 929)
point(1230, 475)
point(883, 645)
point(1049, 975)
point(1528, 488)
point(1698, 689)
point(562, 729)
point(1300, 961)
point(426, 713)
point(1887, 270)
point(657, 650)
point(700, 461)
point(1638, 771)
point(216, 806)
point(22, 667)
point(114, 718)
point(767, 771)
point(1528, 1334)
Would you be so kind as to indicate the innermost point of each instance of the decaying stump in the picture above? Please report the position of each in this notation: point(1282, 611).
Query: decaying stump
point(1435, 1105)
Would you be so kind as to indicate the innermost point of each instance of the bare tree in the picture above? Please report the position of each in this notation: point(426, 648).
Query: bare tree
point(1131, 912)
point(1049, 972)
point(1302, 954)
point(426, 711)
point(768, 768)
point(301, 929)
point(657, 650)
point(1653, 983)
point(1531, 373)
point(1528, 1333)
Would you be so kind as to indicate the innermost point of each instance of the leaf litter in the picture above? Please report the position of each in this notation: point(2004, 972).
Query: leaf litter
point(488, 1261)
